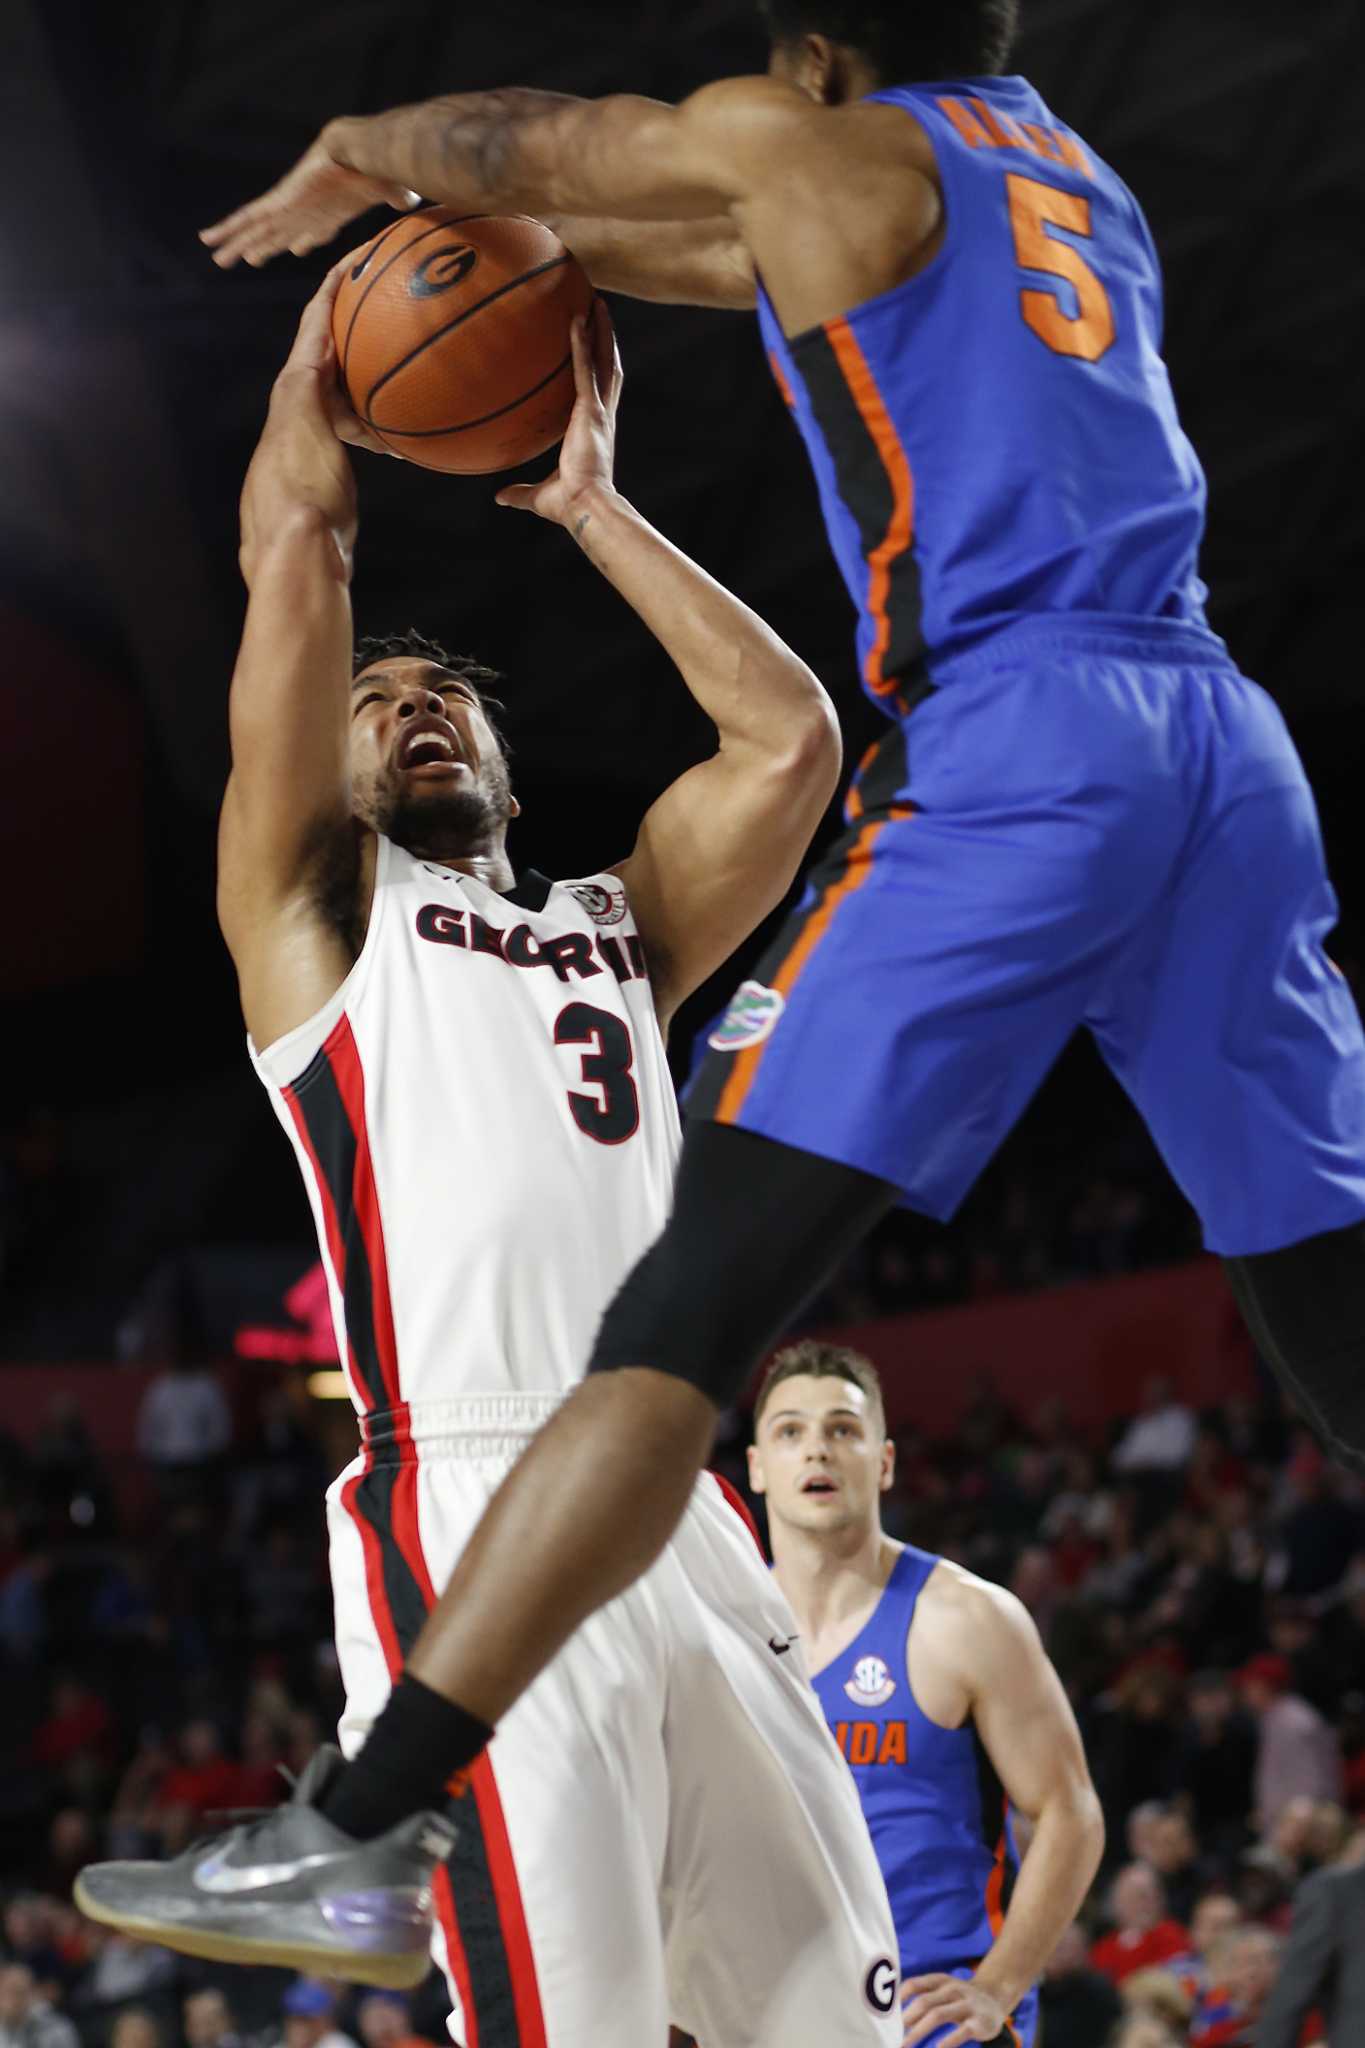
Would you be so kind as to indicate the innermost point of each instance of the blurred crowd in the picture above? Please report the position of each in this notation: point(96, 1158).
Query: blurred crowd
point(1199, 1580)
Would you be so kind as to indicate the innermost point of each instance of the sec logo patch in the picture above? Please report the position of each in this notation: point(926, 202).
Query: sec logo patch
point(871, 1682)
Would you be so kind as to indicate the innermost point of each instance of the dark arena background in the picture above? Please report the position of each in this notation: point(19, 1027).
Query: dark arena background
point(1078, 1413)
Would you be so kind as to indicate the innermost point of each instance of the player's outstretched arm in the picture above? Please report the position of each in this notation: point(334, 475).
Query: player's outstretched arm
point(288, 794)
point(834, 203)
point(1025, 1722)
point(672, 262)
point(720, 848)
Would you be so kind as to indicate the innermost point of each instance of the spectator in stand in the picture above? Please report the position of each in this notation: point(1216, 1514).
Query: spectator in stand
point(384, 2020)
point(1319, 1530)
point(184, 1425)
point(1077, 2004)
point(135, 2027)
point(1140, 1832)
point(309, 2007)
point(29, 1940)
point(203, 1781)
point(1159, 1994)
point(1215, 1765)
point(1143, 1934)
point(1291, 1838)
point(71, 1842)
point(1323, 1964)
point(259, 1778)
point(1161, 1437)
point(1215, 1916)
point(77, 1721)
point(120, 1969)
point(207, 2021)
point(1297, 1754)
point(1293, 1629)
point(1160, 1836)
point(1243, 1965)
point(1263, 1886)
point(1329, 1833)
point(1137, 1739)
point(26, 2019)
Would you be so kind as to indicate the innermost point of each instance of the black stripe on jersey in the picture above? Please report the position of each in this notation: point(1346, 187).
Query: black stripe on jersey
point(994, 1808)
point(471, 1877)
point(334, 1146)
point(867, 491)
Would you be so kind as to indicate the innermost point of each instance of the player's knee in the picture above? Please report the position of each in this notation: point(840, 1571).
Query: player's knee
point(668, 1318)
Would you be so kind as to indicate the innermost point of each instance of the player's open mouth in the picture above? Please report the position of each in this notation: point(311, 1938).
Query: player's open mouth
point(429, 743)
point(818, 1484)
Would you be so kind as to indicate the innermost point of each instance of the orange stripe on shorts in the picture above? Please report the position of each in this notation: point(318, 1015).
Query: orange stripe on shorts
point(857, 868)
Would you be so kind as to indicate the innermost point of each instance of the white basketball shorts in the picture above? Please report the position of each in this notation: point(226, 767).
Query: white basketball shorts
point(661, 1829)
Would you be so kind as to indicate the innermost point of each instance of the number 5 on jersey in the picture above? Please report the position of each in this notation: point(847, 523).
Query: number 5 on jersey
point(614, 1115)
point(1034, 208)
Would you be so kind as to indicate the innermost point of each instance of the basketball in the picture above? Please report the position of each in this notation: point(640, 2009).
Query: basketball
point(452, 338)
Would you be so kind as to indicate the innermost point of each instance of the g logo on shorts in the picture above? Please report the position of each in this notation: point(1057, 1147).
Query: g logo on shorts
point(879, 1985)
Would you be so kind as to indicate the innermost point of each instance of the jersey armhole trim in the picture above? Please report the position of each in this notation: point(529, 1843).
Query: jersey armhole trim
point(286, 1061)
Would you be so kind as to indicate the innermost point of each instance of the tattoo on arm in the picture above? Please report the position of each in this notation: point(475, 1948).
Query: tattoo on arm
point(580, 526)
point(477, 135)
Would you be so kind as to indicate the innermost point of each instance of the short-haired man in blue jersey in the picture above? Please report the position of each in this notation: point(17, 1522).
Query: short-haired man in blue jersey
point(941, 1697)
point(1081, 814)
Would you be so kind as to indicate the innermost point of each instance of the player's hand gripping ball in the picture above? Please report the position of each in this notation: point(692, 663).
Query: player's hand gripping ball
point(453, 338)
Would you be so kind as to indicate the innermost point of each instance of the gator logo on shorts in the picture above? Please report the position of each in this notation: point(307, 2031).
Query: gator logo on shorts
point(604, 906)
point(871, 1682)
point(753, 1012)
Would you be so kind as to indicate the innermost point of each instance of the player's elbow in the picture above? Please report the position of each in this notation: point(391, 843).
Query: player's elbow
point(1082, 1815)
point(812, 752)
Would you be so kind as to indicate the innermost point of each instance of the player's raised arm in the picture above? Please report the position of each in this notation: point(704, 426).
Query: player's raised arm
point(1029, 1732)
point(719, 849)
point(288, 804)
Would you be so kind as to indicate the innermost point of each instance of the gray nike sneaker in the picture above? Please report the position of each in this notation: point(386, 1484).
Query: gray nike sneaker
point(288, 1889)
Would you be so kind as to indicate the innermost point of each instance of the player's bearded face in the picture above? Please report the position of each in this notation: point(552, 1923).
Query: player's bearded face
point(442, 821)
point(426, 767)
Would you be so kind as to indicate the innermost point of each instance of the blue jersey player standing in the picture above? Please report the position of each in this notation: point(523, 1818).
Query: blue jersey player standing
point(1081, 813)
point(941, 1697)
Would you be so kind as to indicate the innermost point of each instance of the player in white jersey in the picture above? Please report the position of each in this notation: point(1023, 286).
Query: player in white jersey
point(470, 1066)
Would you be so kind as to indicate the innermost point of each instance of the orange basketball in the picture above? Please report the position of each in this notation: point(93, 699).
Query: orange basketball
point(452, 336)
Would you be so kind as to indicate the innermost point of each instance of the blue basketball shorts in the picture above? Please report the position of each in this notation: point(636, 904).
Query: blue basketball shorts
point(1072, 829)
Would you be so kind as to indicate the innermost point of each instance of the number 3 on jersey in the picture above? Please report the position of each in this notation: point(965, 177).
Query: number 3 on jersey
point(615, 1115)
point(1034, 208)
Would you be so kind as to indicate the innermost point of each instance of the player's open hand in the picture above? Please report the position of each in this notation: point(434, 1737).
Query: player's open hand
point(309, 205)
point(300, 459)
point(588, 451)
point(309, 377)
point(966, 2008)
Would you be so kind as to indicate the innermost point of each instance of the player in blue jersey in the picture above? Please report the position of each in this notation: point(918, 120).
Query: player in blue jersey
point(941, 1697)
point(1081, 813)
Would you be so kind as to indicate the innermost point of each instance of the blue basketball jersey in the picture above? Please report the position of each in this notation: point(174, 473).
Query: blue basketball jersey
point(996, 437)
point(935, 1808)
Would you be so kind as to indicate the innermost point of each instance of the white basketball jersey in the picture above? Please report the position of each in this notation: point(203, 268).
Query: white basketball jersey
point(487, 1129)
